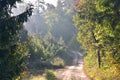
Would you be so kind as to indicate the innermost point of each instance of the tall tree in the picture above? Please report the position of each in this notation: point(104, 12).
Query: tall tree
point(98, 28)
point(12, 51)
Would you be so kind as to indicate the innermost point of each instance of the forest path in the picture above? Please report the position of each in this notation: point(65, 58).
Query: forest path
point(74, 72)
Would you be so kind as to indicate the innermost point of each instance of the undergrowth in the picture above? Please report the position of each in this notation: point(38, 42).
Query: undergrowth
point(47, 75)
point(107, 71)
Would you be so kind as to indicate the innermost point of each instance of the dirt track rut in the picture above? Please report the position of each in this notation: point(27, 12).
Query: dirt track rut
point(74, 72)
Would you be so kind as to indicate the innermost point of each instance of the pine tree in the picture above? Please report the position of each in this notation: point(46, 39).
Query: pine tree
point(12, 51)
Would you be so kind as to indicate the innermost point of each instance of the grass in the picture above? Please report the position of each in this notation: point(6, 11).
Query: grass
point(39, 77)
point(47, 75)
point(106, 72)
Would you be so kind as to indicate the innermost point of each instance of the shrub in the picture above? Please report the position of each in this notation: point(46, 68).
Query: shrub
point(50, 75)
point(58, 62)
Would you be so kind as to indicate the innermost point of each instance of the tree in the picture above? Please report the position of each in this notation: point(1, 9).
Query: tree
point(12, 51)
point(108, 12)
point(85, 24)
point(56, 20)
point(98, 28)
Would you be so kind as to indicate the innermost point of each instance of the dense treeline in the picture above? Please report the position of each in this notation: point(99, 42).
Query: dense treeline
point(98, 25)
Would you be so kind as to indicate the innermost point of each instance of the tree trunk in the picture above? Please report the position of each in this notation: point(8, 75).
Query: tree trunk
point(99, 58)
point(98, 52)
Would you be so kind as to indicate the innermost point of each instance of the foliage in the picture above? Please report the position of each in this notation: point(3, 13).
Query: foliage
point(13, 64)
point(50, 75)
point(42, 55)
point(98, 31)
point(50, 37)
point(56, 20)
point(104, 73)
point(12, 50)
point(28, 76)
point(58, 62)
point(43, 51)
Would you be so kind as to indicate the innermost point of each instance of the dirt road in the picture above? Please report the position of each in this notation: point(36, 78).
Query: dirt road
point(74, 72)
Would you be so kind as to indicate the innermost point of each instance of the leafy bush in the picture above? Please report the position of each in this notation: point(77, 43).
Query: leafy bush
point(58, 62)
point(50, 75)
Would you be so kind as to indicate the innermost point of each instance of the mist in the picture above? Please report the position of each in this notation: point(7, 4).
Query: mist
point(53, 29)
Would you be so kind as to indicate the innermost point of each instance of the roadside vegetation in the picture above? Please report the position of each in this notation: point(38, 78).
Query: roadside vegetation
point(103, 73)
point(98, 25)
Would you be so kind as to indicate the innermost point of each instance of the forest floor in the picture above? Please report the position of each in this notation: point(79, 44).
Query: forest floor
point(73, 72)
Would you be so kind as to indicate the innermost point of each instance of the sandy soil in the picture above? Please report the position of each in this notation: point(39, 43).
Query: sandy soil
point(74, 72)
